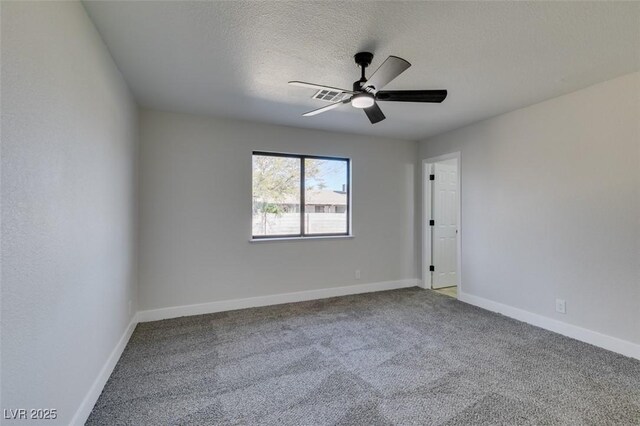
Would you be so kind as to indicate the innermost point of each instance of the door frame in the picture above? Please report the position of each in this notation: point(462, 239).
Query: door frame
point(427, 166)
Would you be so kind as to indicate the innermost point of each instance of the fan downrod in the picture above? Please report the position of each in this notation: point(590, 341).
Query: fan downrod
point(363, 59)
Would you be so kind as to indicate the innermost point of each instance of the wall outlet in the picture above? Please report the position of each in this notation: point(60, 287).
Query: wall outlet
point(561, 306)
point(357, 274)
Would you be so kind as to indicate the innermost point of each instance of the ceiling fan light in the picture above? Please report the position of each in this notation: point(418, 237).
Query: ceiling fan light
point(362, 100)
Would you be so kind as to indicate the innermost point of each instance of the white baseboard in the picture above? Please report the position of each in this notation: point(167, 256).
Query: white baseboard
point(82, 414)
point(275, 299)
point(610, 343)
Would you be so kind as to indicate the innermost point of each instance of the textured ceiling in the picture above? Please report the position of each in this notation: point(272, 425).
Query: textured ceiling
point(233, 59)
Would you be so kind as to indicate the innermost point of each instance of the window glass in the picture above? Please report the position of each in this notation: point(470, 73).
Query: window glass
point(276, 196)
point(326, 196)
point(299, 195)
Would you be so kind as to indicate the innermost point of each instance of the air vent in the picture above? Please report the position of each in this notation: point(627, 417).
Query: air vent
point(330, 96)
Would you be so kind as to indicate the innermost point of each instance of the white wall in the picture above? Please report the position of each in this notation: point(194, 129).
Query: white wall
point(69, 179)
point(196, 212)
point(551, 206)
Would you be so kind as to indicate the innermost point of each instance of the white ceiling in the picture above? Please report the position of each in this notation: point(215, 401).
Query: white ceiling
point(233, 59)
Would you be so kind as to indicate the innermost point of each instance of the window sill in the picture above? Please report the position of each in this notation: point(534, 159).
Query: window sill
point(322, 237)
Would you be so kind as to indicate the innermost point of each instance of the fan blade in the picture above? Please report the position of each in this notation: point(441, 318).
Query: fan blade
point(320, 87)
point(412, 95)
point(390, 69)
point(374, 114)
point(325, 108)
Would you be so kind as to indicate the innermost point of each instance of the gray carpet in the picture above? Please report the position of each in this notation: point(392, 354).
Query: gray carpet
point(400, 357)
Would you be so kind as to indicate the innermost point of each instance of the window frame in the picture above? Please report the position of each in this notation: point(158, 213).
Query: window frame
point(303, 234)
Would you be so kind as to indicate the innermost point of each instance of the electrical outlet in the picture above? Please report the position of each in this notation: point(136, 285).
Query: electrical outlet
point(357, 274)
point(561, 306)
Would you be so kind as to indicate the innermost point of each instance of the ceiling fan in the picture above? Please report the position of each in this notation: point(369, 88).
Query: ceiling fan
point(366, 92)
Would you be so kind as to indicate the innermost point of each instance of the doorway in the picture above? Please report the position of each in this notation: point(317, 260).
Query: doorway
point(441, 224)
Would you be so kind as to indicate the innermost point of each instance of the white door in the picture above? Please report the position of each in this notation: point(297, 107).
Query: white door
point(445, 228)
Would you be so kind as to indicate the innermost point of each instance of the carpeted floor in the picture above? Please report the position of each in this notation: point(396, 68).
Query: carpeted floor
point(402, 357)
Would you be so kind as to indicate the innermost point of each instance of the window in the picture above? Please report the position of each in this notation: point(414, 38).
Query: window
point(300, 195)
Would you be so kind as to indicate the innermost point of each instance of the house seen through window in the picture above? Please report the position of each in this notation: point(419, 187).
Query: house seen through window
point(300, 195)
